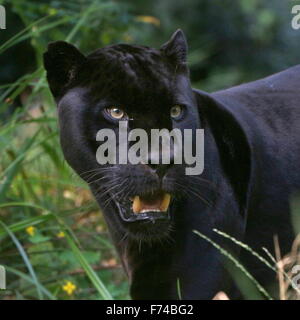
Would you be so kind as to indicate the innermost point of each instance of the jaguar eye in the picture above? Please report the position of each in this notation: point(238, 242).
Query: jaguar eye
point(116, 113)
point(176, 111)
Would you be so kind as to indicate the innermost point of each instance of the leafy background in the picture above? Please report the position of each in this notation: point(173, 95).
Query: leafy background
point(53, 240)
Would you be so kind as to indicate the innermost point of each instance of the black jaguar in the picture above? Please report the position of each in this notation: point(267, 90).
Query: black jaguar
point(252, 154)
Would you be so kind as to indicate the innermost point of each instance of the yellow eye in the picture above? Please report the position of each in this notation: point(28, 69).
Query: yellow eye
point(176, 111)
point(116, 113)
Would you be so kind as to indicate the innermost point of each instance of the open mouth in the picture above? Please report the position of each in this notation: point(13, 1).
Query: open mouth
point(149, 206)
point(151, 202)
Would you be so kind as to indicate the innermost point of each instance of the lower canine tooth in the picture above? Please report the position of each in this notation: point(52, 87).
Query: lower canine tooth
point(165, 202)
point(136, 206)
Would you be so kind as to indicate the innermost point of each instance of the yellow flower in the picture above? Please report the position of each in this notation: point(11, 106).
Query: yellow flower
point(69, 287)
point(148, 19)
point(30, 230)
point(61, 234)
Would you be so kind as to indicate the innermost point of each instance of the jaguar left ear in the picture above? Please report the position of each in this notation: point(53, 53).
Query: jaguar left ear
point(176, 48)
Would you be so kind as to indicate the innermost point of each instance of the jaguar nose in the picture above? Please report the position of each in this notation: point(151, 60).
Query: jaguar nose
point(160, 169)
point(155, 162)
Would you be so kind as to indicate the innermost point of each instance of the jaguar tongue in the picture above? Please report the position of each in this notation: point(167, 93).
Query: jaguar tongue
point(151, 202)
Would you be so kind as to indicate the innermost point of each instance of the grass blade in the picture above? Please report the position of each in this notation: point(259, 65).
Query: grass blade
point(98, 284)
point(236, 263)
point(29, 279)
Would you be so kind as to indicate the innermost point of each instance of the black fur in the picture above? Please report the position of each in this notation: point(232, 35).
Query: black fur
point(252, 153)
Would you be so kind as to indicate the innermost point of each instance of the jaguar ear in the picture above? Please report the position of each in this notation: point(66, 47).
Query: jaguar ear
point(61, 61)
point(176, 48)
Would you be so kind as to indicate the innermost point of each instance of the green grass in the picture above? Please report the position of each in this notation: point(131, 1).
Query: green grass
point(248, 285)
point(37, 188)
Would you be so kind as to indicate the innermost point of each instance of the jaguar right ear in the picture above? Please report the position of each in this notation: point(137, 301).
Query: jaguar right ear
point(61, 61)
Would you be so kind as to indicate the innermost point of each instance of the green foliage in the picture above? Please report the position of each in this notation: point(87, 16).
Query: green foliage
point(42, 203)
point(230, 41)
